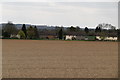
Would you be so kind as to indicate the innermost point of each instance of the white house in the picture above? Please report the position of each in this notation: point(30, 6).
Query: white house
point(107, 38)
point(98, 38)
point(111, 38)
point(15, 36)
point(70, 37)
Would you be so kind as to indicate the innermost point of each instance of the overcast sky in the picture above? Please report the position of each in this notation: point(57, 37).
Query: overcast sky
point(81, 14)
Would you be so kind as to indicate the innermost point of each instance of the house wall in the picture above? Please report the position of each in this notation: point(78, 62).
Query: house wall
point(107, 38)
point(70, 37)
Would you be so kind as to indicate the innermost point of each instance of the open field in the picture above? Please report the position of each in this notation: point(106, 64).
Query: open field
point(59, 59)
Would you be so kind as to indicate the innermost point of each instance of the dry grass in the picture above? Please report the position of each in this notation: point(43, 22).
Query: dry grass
point(59, 59)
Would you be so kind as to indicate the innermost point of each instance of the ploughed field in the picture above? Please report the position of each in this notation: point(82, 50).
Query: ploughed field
point(59, 59)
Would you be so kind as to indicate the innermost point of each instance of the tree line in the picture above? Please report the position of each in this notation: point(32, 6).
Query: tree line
point(32, 32)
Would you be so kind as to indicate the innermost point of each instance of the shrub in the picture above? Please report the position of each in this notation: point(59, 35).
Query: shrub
point(21, 34)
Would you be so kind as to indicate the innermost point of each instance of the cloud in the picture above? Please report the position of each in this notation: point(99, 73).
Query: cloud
point(61, 13)
point(59, 0)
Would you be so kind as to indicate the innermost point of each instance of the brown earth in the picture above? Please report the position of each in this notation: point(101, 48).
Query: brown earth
point(59, 59)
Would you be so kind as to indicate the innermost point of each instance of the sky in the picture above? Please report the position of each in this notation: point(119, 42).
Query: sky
point(82, 14)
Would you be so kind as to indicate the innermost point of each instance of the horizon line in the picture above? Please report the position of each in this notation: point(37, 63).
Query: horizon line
point(57, 25)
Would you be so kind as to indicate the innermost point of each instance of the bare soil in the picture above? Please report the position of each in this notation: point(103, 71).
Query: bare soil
point(59, 59)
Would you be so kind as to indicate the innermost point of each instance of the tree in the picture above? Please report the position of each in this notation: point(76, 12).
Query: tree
point(77, 28)
point(106, 26)
point(36, 32)
point(5, 34)
point(106, 30)
point(72, 29)
point(98, 29)
point(60, 34)
point(30, 32)
point(21, 34)
point(86, 30)
point(57, 28)
point(9, 29)
point(24, 29)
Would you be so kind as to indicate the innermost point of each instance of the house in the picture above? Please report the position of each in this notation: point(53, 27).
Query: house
point(73, 37)
point(107, 38)
point(98, 38)
point(70, 37)
point(110, 38)
point(15, 36)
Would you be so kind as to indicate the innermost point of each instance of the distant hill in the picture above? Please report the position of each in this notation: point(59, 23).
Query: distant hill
point(19, 26)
